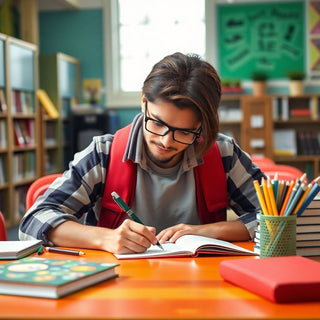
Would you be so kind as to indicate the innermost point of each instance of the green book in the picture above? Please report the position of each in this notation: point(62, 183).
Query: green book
point(51, 278)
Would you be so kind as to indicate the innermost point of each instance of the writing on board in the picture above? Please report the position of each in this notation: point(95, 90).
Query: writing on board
point(264, 37)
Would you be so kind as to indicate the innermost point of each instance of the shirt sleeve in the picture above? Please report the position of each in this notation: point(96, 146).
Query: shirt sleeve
point(240, 174)
point(69, 197)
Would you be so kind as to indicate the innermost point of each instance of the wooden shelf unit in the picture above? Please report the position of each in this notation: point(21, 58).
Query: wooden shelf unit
point(60, 78)
point(19, 125)
point(262, 116)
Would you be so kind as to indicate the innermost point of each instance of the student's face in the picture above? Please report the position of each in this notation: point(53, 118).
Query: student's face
point(164, 151)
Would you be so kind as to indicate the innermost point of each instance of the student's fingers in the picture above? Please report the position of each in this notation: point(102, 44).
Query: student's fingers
point(138, 236)
point(173, 233)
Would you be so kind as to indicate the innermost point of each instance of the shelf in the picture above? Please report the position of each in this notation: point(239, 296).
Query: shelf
point(19, 125)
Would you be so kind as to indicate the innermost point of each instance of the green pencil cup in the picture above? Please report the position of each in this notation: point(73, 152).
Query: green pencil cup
point(277, 236)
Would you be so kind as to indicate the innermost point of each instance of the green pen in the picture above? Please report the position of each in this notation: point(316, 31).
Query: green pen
point(128, 211)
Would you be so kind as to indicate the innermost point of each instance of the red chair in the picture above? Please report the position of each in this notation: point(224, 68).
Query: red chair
point(38, 187)
point(270, 168)
point(3, 230)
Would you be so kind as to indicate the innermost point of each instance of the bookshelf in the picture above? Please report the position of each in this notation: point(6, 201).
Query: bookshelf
point(301, 115)
point(281, 127)
point(19, 125)
point(60, 78)
point(230, 115)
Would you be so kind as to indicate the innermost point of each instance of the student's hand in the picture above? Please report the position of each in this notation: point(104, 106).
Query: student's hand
point(130, 237)
point(223, 230)
point(171, 234)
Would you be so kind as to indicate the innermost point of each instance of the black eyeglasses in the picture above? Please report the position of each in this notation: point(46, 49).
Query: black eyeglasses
point(160, 128)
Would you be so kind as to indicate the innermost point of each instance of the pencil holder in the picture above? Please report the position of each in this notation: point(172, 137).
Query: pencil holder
point(277, 236)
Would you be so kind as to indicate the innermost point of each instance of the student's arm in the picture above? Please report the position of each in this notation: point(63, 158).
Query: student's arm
point(55, 217)
point(128, 238)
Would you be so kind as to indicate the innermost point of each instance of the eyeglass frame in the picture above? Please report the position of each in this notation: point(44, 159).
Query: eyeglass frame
point(196, 134)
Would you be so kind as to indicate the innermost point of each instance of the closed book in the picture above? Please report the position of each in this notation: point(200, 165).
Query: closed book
point(18, 249)
point(51, 278)
point(305, 219)
point(278, 279)
point(315, 203)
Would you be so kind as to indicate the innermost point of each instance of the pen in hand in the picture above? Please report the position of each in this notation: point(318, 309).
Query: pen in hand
point(128, 211)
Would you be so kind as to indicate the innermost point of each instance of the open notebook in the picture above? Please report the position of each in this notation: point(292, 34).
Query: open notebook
point(190, 246)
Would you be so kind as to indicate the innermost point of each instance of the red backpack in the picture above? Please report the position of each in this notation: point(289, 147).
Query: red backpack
point(210, 181)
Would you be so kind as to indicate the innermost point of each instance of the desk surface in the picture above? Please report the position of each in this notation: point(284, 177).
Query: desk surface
point(175, 288)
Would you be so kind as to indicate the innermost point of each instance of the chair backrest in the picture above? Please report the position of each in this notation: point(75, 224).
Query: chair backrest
point(270, 168)
point(38, 187)
point(3, 230)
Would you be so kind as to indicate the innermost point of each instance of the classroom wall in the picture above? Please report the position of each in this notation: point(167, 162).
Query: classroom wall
point(79, 34)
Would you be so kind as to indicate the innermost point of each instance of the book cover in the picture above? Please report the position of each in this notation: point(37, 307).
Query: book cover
point(189, 246)
point(51, 278)
point(278, 279)
point(18, 249)
point(284, 142)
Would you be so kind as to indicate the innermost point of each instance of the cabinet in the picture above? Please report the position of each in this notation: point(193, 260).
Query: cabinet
point(19, 125)
point(281, 127)
point(60, 78)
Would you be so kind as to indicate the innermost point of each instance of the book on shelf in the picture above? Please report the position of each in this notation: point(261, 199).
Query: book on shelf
point(189, 246)
point(26, 102)
point(3, 103)
point(2, 172)
point(19, 139)
point(47, 104)
point(284, 142)
point(314, 107)
point(3, 134)
point(18, 249)
point(278, 279)
point(280, 106)
point(308, 143)
point(51, 278)
point(300, 113)
point(16, 102)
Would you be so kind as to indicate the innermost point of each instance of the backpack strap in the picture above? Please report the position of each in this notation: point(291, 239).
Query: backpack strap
point(121, 178)
point(210, 181)
point(212, 198)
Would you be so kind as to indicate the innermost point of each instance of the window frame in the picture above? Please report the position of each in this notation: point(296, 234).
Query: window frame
point(115, 97)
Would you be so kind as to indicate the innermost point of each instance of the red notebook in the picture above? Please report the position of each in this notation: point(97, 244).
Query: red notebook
point(279, 279)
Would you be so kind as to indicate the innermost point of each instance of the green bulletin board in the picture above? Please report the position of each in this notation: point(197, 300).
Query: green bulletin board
point(266, 37)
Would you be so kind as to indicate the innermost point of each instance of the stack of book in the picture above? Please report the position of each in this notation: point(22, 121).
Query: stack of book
point(308, 230)
point(293, 198)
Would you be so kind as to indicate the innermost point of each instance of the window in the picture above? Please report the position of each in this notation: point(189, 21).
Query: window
point(141, 32)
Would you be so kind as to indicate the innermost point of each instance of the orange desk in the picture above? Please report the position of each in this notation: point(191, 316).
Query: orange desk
point(179, 288)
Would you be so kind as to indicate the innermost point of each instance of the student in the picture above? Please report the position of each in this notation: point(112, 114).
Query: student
point(178, 174)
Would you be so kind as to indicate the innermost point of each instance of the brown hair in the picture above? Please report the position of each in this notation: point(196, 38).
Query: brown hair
point(188, 82)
